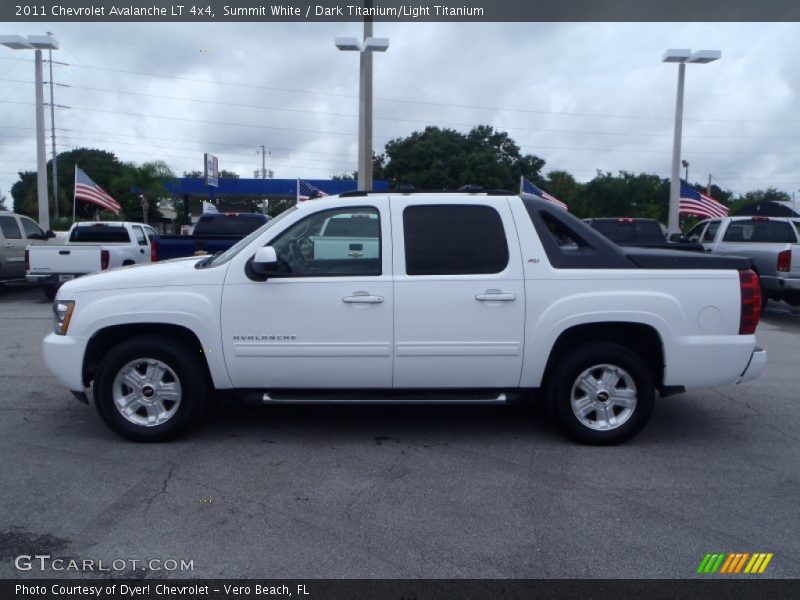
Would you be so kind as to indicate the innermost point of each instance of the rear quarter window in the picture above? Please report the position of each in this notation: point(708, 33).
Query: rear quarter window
point(760, 231)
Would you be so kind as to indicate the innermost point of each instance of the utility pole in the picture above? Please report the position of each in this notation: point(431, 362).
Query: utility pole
point(263, 173)
point(53, 130)
point(708, 187)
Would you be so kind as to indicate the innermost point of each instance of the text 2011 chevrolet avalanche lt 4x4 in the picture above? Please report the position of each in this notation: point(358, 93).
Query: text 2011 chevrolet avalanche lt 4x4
point(466, 296)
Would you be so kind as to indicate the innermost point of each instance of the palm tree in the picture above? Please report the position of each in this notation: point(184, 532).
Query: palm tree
point(149, 180)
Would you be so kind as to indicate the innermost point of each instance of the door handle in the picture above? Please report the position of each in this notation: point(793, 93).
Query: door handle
point(362, 298)
point(495, 296)
point(9, 245)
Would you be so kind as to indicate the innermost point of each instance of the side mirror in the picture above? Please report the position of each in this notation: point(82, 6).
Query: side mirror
point(676, 238)
point(48, 235)
point(265, 262)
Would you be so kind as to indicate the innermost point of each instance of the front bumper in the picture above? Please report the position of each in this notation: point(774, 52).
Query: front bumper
point(758, 360)
point(63, 355)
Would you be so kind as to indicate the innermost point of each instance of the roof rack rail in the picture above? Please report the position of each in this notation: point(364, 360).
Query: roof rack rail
point(409, 189)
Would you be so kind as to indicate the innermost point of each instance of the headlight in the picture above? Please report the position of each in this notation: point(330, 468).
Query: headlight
point(63, 313)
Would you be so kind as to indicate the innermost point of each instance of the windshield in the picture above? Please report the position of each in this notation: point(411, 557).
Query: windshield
point(244, 242)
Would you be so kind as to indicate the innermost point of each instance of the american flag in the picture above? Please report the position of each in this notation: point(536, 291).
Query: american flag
point(698, 204)
point(86, 189)
point(306, 191)
point(526, 188)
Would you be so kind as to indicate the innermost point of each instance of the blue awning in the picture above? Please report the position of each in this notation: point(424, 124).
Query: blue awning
point(285, 188)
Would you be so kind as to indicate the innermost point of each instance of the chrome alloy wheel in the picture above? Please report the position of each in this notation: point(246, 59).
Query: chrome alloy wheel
point(603, 397)
point(146, 392)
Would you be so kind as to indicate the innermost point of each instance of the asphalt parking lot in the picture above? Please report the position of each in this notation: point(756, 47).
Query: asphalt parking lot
point(439, 492)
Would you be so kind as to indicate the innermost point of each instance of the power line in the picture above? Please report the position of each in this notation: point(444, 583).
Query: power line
point(422, 102)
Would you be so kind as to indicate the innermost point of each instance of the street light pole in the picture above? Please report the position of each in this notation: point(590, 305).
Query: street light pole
point(37, 43)
point(365, 48)
point(53, 131)
point(365, 113)
point(681, 56)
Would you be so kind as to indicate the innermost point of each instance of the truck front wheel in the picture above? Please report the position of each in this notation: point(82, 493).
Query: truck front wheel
point(150, 389)
point(601, 393)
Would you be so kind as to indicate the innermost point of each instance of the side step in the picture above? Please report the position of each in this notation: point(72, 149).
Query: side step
point(382, 396)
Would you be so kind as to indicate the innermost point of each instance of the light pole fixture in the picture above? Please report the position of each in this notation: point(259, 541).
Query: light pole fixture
point(37, 43)
point(685, 164)
point(681, 56)
point(365, 48)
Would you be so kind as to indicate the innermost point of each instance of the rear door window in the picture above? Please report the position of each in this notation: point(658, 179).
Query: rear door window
point(10, 229)
point(454, 240)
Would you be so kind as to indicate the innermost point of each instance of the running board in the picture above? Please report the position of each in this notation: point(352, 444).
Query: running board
point(381, 397)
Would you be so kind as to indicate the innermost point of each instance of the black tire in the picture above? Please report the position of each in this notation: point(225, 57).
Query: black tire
point(181, 359)
point(764, 300)
point(50, 291)
point(572, 365)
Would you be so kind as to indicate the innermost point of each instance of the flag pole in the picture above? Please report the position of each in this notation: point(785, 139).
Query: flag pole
point(74, 199)
point(297, 191)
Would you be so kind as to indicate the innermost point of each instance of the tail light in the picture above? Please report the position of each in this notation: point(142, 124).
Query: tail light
point(785, 260)
point(154, 251)
point(27, 260)
point(750, 287)
point(104, 257)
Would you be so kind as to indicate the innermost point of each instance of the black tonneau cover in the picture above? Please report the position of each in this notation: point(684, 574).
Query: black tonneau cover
point(675, 259)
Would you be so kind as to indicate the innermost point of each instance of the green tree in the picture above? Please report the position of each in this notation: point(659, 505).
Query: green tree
point(223, 174)
point(447, 159)
point(3, 202)
point(563, 186)
point(624, 195)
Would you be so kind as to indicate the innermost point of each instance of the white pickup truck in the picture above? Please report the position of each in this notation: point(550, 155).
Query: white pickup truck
point(771, 243)
point(91, 247)
point(471, 297)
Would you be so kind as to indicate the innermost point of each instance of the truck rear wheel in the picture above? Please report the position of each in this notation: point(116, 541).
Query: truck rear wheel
point(601, 393)
point(151, 389)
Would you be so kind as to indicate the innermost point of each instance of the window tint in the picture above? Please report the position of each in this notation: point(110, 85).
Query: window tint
point(32, 230)
point(99, 234)
point(711, 232)
point(454, 240)
point(760, 231)
point(10, 228)
point(330, 243)
point(140, 237)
